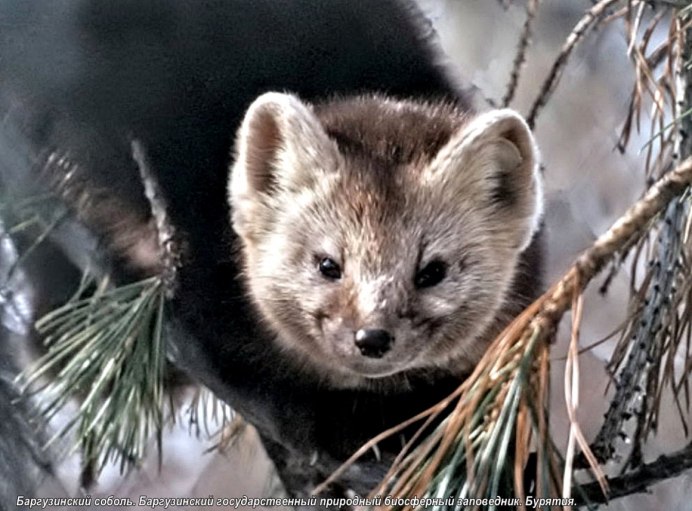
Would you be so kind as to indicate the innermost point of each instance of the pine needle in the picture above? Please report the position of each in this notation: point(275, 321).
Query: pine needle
point(109, 352)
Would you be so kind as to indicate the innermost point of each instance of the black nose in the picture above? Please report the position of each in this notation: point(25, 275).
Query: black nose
point(373, 343)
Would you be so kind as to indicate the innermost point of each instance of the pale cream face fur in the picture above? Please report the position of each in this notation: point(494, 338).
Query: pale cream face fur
point(297, 199)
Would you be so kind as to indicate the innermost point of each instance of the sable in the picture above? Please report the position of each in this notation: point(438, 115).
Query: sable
point(367, 166)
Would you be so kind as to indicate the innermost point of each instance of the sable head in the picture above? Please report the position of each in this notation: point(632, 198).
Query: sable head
point(382, 236)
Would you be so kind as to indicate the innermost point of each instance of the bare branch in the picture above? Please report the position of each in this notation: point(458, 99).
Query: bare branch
point(589, 21)
point(520, 57)
point(640, 480)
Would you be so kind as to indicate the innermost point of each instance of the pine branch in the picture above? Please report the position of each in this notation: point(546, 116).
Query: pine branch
point(109, 351)
point(639, 480)
point(642, 362)
point(110, 354)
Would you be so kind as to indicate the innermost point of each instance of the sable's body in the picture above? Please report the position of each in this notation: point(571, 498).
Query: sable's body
point(79, 81)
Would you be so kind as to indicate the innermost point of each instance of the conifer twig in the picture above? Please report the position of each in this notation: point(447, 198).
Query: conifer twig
point(522, 47)
point(641, 479)
point(586, 23)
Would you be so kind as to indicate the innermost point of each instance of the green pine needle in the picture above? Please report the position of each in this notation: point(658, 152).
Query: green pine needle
point(109, 354)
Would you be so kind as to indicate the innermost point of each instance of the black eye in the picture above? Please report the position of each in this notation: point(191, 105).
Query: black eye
point(433, 273)
point(329, 268)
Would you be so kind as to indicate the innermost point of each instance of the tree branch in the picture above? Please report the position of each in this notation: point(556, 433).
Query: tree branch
point(588, 21)
point(520, 57)
point(639, 480)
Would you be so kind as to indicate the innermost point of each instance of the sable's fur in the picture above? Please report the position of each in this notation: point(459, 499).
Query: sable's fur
point(383, 187)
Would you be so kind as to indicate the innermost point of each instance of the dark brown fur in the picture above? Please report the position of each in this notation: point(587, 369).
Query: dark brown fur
point(390, 132)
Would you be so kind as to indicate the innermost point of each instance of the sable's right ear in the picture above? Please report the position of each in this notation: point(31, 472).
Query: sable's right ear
point(280, 146)
point(494, 159)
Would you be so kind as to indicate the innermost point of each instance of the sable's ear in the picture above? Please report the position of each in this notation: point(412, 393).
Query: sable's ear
point(494, 159)
point(281, 146)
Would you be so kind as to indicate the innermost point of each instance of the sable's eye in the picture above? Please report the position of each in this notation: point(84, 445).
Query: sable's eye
point(433, 273)
point(329, 268)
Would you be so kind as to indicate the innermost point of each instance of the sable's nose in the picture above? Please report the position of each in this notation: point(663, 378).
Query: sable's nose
point(373, 343)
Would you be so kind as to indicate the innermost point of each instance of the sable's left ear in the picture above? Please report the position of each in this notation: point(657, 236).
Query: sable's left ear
point(494, 159)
